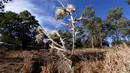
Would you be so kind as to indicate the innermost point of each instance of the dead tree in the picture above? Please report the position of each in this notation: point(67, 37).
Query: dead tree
point(63, 64)
point(68, 11)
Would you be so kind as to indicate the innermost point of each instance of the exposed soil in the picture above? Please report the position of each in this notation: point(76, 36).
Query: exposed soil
point(115, 60)
point(13, 61)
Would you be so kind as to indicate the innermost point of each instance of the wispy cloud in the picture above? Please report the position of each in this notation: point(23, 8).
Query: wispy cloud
point(44, 10)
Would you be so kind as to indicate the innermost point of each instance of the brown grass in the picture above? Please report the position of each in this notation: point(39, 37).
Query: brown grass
point(117, 60)
point(113, 60)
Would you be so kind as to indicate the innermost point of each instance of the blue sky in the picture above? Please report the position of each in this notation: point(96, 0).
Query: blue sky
point(44, 10)
point(102, 6)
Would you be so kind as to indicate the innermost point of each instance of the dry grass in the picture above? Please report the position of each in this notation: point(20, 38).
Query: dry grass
point(87, 50)
point(114, 60)
point(117, 60)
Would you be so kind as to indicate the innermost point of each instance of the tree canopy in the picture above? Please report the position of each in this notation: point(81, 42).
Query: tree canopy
point(94, 27)
point(94, 31)
point(19, 27)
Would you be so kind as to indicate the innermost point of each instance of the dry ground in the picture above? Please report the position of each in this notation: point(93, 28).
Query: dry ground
point(112, 60)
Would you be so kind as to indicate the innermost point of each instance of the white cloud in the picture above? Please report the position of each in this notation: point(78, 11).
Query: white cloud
point(21, 5)
point(42, 12)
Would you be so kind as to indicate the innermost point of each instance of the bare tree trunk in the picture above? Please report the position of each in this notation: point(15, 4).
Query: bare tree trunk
point(101, 40)
point(73, 40)
point(92, 42)
point(73, 33)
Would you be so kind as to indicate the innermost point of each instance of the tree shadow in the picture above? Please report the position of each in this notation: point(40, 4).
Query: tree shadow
point(88, 56)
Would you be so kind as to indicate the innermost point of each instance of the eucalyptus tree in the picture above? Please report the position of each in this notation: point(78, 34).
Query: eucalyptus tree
point(124, 23)
point(89, 13)
point(6, 21)
point(18, 26)
point(26, 29)
point(93, 26)
point(113, 17)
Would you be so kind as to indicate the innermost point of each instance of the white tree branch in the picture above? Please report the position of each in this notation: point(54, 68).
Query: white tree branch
point(41, 31)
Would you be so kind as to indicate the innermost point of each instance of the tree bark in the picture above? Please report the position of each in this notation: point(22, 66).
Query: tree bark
point(92, 42)
point(101, 40)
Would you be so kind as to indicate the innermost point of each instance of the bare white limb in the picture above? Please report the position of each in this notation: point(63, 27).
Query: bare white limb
point(60, 13)
point(73, 31)
point(63, 44)
point(40, 37)
point(54, 41)
point(76, 32)
point(54, 47)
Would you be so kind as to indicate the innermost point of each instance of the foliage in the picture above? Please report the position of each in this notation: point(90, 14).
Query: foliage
point(88, 12)
point(128, 1)
point(125, 24)
point(116, 24)
point(94, 27)
point(2, 4)
point(18, 26)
